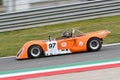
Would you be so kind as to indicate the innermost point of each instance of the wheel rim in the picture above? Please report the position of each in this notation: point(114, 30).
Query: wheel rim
point(35, 51)
point(94, 44)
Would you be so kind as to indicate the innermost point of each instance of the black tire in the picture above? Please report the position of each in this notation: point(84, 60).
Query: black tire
point(94, 44)
point(35, 51)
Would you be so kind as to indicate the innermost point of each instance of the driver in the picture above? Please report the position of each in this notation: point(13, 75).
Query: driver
point(66, 34)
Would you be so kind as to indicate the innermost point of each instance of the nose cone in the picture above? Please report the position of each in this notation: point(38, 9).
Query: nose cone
point(22, 54)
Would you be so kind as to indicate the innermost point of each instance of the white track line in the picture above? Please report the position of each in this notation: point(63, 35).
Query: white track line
point(103, 45)
point(112, 44)
point(7, 57)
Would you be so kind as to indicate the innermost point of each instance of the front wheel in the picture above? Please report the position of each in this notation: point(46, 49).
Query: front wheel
point(94, 44)
point(35, 51)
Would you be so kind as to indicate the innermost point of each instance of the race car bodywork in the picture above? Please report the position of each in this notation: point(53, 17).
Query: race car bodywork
point(91, 41)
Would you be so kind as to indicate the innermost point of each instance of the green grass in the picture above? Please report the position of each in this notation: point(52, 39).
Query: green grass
point(1, 9)
point(10, 42)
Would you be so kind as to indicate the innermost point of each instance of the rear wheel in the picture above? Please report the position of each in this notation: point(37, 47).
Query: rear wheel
point(94, 44)
point(35, 51)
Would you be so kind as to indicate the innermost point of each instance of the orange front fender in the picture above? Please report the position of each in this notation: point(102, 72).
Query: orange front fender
point(23, 52)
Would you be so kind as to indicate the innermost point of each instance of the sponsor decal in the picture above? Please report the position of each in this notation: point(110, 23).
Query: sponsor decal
point(64, 44)
point(80, 43)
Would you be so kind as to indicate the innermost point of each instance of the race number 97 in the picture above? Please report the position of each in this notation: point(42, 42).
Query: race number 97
point(52, 45)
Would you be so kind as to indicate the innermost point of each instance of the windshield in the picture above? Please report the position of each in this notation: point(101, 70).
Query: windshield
point(67, 33)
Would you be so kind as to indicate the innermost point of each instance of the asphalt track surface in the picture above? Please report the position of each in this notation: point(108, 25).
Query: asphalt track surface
point(107, 52)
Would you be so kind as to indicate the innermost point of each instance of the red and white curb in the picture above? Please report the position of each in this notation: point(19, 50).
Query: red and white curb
point(61, 69)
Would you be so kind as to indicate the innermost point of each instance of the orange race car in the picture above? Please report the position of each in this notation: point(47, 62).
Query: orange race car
point(69, 42)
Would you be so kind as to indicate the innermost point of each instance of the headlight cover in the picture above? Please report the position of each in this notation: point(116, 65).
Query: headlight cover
point(19, 52)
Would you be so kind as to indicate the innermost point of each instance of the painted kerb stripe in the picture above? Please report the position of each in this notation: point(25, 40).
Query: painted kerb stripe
point(59, 69)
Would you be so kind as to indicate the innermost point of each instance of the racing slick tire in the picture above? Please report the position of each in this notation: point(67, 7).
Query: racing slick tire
point(35, 51)
point(94, 44)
